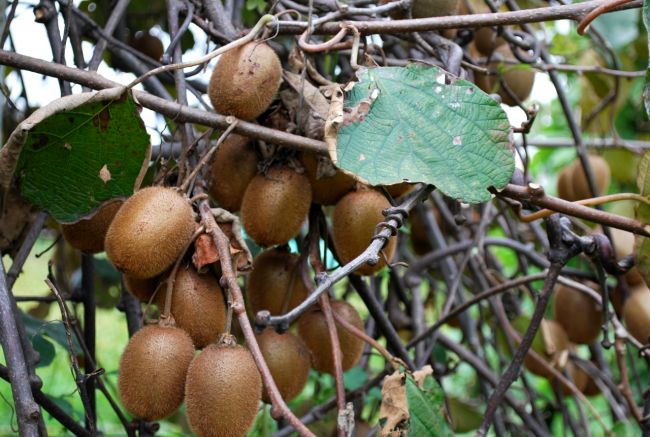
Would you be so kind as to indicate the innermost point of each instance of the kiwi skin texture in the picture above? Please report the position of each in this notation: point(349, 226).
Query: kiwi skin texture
point(152, 371)
point(578, 314)
point(222, 391)
point(245, 81)
point(270, 280)
point(326, 190)
point(275, 206)
point(150, 232)
point(354, 221)
point(313, 330)
point(88, 235)
point(197, 305)
point(289, 362)
point(557, 337)
point(602, 175)
point(564, 184)
point(148, 45)
point(233, 167)
point(636, 314)
point(142, 289)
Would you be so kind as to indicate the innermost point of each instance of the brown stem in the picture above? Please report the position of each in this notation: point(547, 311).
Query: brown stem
point(535, 194)
point(619, 346)
point(587, 202)
point(229, 281)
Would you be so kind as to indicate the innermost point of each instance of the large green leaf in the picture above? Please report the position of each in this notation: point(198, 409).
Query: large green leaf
point(78, 152)
point(642, 213)
point(453, 136)
point(426, 408)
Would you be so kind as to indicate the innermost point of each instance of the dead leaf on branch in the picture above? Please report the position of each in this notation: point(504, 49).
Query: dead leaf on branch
point(394, 405)
point(205, 251)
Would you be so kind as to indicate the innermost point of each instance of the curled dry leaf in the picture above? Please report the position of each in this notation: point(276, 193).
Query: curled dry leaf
point(394, 406)
point(306, 103)
point(334, 119)
point(230, 225)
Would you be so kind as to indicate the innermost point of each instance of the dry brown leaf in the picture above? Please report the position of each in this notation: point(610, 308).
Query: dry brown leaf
point(205, 252)
point(334, 119)
point(420, 375)
point(394, 405)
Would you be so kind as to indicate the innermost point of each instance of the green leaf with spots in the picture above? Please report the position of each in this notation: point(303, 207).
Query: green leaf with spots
point(426, 408)
point(77, 152)
point(642, 213)
point(407, 124)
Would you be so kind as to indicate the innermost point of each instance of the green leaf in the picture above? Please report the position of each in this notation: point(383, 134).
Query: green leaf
point(54, 330)
point(642, 213)
point(646, 85)
point(354, 378)
point(78, 152)
point(454, 136)
point(45, 348)
point(426, 407)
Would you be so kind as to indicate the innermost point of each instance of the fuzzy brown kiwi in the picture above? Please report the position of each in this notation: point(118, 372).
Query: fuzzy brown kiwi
point(88, 235)
point(275, 205)
point(152, 371)
point(419, 240)
point(624, 245)
point(149, 232)
point(245, 80)
point(354, 221)
point(602, 177)
point(565, 184)
point(147, 44)
point(197, 305)
point(233, 167)
point(313, 330)
point(486, 40)
point(519, 81)
point(275, 274)
point(550, 334)
point(222, 391)
point(326, 189)
point(398, 190)
point(434, 8)
point(143, 289)
point(289, 361)
point(636, 314)
point(579, 315)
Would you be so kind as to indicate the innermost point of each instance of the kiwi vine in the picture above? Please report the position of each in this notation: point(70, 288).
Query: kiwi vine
point(266, 288)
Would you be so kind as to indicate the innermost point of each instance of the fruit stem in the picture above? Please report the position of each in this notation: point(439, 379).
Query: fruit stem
point(259, 27)
point(165, 319)
point(229, 282)
point(588, 202)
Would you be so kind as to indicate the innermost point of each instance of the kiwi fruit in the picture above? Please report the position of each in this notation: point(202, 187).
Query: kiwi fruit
point(434, 8)
point(579, 315)
point(147, 44)
point(326, 188)
point(354, 221)
point(624, 245)
point(578, 376)
point(275, 274)
point(486, 40)
point(519, 81)
point(149, 232)
point(565, 184)
point(636, 314)
point(151, 375)
point(550, 342)
point(602, 177)
point(87, 235)
point(245, 80)
point(142, 289)
point(233, 167)
point(313, 330)
point(418, 236)
point(398, 190)
point(289, 362)
point(197, 305)
point(222, 391)
point(275, 206)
